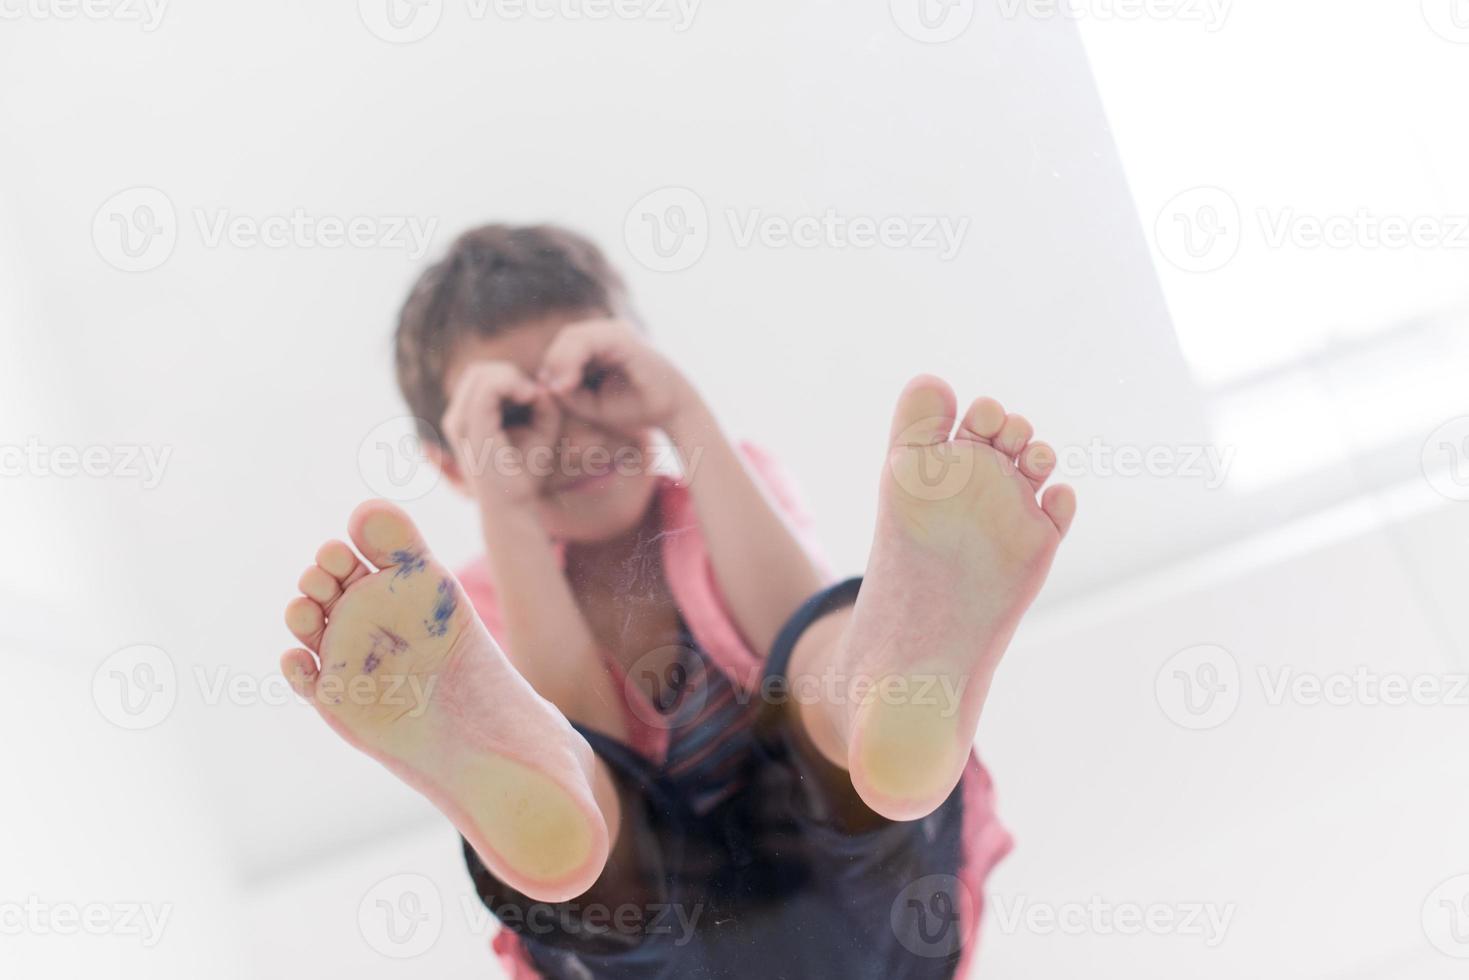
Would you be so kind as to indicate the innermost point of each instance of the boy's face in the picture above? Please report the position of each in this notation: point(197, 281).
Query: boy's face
point(592, 483)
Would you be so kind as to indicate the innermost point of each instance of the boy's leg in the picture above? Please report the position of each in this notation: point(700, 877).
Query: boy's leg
point(962, 547)
point(399, 665)
point(909, 888)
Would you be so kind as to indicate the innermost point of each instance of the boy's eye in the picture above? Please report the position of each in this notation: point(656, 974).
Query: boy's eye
point(513, 414)
point(593, 376)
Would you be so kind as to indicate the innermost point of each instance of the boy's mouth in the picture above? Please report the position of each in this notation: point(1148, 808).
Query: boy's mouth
point(587, 482)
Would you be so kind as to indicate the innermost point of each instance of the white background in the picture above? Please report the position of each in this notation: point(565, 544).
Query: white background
point(1332, 542)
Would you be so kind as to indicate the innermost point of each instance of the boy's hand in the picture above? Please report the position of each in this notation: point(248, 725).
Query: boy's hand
point(604, 371)
point(501, 428)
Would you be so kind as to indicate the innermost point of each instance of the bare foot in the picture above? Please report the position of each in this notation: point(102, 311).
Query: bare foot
point(962, 547)
point(398, 664)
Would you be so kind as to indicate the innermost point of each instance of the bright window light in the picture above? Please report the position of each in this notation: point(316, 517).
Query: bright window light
point(1299, 209)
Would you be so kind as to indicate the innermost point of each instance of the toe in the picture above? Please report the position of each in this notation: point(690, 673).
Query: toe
point(339, 561)
point(925, 413)
point(1038, 462)
point(1014, 435)
point(316, 583)
point(299, 668)
point(385, 535)
point(984, 419)
point(1059, 503)
point(306, 621)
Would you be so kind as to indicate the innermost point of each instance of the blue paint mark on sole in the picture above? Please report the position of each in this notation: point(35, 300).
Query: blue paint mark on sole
point(444, 608)
point(408, 564)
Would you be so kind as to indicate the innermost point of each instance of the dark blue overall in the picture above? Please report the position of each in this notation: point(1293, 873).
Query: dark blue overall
point(743, 870)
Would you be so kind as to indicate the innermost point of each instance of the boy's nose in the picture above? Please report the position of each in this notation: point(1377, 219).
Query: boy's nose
point(582, 451)
point(575, 439)
point(578, 434)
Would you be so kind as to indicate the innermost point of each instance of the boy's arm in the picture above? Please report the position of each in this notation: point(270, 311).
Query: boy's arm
point(762, 569)
point(546, 636)
point(759, 564)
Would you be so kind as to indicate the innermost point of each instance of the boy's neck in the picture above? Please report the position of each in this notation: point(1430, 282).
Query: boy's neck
point(630, 561)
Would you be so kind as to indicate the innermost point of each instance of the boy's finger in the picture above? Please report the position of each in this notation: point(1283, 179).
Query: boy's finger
point(520, 390)
point(577, 401)
point(483, 388)
point(463, 393)
point(566, 361)
point(546, 418)
point(467, 419)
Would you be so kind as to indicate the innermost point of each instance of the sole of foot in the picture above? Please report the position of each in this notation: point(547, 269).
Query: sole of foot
point(962, 547)
point(398, 664)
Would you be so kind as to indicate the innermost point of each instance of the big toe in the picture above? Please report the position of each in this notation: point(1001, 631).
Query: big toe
point(385, 535)
point(299, 668)
point(925, 412)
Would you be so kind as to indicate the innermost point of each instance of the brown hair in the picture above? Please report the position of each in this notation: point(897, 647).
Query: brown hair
point(493, 279)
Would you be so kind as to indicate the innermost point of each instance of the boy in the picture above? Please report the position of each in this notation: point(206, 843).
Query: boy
point(681, 722)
